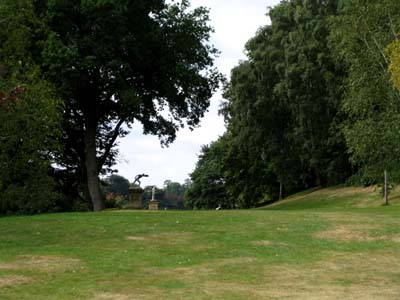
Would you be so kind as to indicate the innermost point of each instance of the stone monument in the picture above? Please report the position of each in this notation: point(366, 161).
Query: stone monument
point(135, 198)
point(153, 204)
point(135, 194)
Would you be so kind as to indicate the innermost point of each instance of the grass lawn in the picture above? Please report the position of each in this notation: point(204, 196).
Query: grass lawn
point(314, 253)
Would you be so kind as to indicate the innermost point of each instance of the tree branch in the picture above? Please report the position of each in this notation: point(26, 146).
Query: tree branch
point(110, 143)
point(380, 49)
point(364, 39)
point(392, 27)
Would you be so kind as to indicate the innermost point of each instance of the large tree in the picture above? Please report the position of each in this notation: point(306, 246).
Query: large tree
point(207, 189)
point(29, 116)
point(371, 103)
point(283, 106)
point(116, 62)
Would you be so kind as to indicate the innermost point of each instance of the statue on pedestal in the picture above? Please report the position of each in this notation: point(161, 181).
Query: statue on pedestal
point(153, 204)
point(135, 193)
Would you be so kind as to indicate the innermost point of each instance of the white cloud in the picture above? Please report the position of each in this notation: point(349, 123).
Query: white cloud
point(234, 21)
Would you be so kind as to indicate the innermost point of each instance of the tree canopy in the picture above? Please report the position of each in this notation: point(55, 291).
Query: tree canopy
point(283, 106)
point(114, 63)
point(314, 103)
point(362, 32)
point(207, 188)
point(116, 185)
point(30, 115)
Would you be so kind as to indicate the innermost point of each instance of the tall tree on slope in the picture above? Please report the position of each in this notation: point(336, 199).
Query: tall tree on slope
point(283, 105)
point(362, 32)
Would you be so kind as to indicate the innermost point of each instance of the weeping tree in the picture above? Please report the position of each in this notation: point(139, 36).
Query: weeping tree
point(116, 62)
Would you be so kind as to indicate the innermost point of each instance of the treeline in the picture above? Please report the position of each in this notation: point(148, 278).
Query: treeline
point(314, 104)
point(169, 196)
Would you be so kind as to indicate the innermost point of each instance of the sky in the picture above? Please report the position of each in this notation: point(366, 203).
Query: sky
point(234, 22)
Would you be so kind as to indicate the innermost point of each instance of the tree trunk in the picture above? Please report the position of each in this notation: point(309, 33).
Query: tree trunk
point(280, 190)
point(84, 185)
point(86, 194)
point(92, 172)
point(386, 189)
point(318, 180)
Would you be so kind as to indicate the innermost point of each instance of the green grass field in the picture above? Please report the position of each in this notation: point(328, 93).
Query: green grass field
point(301, 248)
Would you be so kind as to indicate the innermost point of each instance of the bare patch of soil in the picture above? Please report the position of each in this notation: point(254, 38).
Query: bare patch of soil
point(340, 276)
point(201, 272)
point(163, 236)
point(367, 276)
point(112, 296)
point(262, 243)
point(356, 233)
point(267, 243)
point(396, 238)
point(135, 238)
point(41, 263)
point(348, 232)
point(13, 280)
point(150, 295)
point(233, 261)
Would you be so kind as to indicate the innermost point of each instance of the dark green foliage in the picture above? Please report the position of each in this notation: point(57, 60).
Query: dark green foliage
point(208, 189)
point(28, 132)
point(29, 117)
point(283, 107)
point(116, 184)
point(115, 63)
point(310, 88)
point(116, 189)
point(362, 32)
point(174, 194)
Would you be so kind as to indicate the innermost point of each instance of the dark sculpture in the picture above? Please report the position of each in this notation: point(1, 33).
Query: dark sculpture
point(137, 179)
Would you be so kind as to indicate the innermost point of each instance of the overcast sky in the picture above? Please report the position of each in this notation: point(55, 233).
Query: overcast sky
point(234, 21)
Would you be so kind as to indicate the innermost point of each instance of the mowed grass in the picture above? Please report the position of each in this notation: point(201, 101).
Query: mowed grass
point(329, 253)
point(337, 197)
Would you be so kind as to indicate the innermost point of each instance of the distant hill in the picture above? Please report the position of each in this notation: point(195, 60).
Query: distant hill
point(336, 197)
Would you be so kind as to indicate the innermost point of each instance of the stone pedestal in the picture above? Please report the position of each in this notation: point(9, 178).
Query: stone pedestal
point(135, 198)
point(153, 205)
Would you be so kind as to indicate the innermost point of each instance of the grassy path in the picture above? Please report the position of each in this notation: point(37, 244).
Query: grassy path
point(255, 254)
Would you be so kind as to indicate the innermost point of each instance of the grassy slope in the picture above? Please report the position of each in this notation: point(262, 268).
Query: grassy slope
point(324, 253)
point(337, 198)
